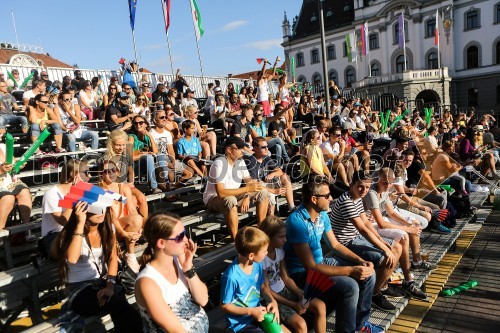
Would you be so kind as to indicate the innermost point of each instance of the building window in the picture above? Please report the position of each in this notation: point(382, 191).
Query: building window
point(497, 13)
point(472, 97)
point(316, 79)
point(314, 56)
point(430, 28)
point(373, 39)
point(332, 75)
point(472, 57)
point(301, 79)
point(344, 46)
point(350, 77)
point(498, 95)
point(331, 52)
point(400, 64)
point(498, 53)
point(472, 19)
point(432, 61)
point(300, 59)
point(375, 69)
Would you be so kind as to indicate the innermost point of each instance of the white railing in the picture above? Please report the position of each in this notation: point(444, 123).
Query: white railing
point(427, 74)
point(369, 81)
point(195, 82)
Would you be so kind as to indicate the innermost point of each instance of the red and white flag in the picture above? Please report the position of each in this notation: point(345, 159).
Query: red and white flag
point(436, 30)
point(166, 13)
point(364, 38)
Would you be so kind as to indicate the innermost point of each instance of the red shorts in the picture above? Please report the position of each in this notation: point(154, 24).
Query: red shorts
point(284, 104)
point(266, 106)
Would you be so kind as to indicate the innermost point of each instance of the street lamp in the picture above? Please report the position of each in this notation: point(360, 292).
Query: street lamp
point(323, 52)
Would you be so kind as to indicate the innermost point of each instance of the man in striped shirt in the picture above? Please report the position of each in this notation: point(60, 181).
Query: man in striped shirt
point(353, 229)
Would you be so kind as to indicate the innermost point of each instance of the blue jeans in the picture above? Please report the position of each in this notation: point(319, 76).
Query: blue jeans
point(277, 146)
point(87, 135)
point(352, 299)
point(147, 162)
point(366, 250)
point(54, 128)
point(12, 119)
point(456, 184)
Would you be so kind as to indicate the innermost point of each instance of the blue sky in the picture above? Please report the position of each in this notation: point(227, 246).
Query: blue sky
point(95, 34)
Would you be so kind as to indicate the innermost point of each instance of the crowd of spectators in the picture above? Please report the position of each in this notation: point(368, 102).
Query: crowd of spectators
point(385, 182)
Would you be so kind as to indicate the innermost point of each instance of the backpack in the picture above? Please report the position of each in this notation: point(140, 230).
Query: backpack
point(461, 205)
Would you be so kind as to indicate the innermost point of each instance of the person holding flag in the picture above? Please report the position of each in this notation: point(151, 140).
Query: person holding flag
point(262, 91)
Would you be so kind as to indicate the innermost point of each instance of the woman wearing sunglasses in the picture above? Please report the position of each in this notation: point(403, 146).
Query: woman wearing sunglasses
point(69, 115)
point(144, 151)
point(88, 264)
point(168, 291)
point(108, 99)
point(40, 117)
point(141, 106)
point(127, 222)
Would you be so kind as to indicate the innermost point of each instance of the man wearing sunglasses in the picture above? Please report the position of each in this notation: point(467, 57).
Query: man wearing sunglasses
point(224, 193)
point(263, 168)
point(38, 88)
point(118, 114)
point(353, 276)
point(188, 100)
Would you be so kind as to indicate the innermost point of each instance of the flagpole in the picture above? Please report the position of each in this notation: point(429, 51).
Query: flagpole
point(404, 39)
point(15, 29)
point(135, 49)
point(438, 38)
point(198, 47)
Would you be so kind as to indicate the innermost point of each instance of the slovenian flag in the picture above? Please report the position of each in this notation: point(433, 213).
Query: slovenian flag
point(364, 38)
point(198, 28)
point(436, 30)
point(166, 11)
point(97, 198)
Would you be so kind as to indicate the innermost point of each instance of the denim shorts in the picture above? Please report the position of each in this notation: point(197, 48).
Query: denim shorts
point(367, 251)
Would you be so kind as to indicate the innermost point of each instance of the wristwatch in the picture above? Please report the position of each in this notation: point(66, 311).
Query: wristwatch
point(190, 273)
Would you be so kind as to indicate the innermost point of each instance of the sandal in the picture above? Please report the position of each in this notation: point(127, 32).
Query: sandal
point(171, 198)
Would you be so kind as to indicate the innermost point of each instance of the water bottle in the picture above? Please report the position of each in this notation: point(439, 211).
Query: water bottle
point(269, 325)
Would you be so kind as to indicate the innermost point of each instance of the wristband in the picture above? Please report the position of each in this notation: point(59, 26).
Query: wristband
point(78, 234)
point(190, 273)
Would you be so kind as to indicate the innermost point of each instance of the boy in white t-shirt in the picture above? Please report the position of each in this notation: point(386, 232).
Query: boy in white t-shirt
point(283, 288)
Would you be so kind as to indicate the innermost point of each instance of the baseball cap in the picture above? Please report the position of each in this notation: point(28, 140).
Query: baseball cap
point(478, 128)
point(234, 140)
point(217, 89)
point(123, 95)
point(189, 91)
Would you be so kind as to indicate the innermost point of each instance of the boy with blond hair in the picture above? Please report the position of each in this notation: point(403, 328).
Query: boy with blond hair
point(243, 284)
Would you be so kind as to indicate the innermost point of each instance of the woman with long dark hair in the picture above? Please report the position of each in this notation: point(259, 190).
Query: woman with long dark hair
point(168, 291)
point(88, 264)
point(468, 151)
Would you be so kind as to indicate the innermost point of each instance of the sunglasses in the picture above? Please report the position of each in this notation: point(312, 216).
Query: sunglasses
point(67, 99)
point(112, 88)
point(109, 171)
point(162, 117)
point(326, 196)
point(263, 147)
point(44, 101)
point(171, 114)
point(139, 123)
point(141, 99)
point(179, 238)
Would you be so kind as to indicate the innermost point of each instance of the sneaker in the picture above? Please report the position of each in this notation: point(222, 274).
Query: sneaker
point(60, 150)
point(132, 262)
point(411, 290)
point(393, 291)
point(423, 266)
point(381, 303)
point(464, 193)
point(441, 229)
point(370, 328)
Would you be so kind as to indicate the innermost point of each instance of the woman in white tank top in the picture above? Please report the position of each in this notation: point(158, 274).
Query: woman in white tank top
point(169, 293)
point(285, 99)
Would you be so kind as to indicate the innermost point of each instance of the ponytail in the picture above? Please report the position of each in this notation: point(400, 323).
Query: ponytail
point(147, 256)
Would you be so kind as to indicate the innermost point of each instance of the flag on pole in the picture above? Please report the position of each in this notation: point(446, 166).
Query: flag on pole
point(436, 30)
point(401, 32)
point(364, 39)
point(198, 28)
point(131, 9)
point(166, 11)
point(348, 47)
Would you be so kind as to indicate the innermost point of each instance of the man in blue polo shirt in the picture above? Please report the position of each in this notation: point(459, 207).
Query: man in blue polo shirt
point(354, 278)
